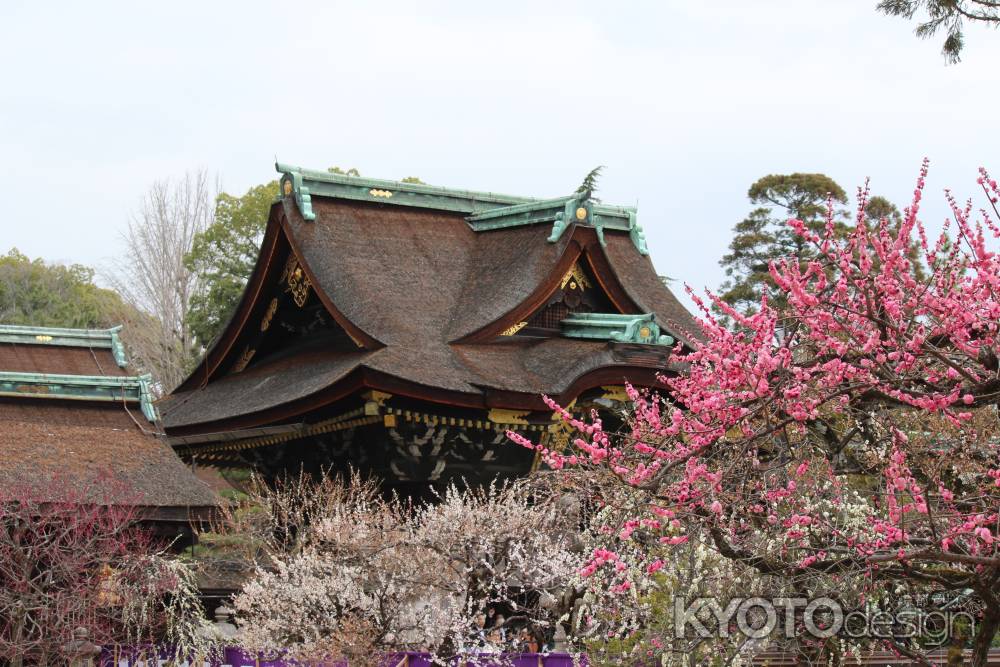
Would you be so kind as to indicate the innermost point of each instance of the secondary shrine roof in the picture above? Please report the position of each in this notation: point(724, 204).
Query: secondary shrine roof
point(70, 414)
point(457, 297)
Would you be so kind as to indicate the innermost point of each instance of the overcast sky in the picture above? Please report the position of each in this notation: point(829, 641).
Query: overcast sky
point(685, 102)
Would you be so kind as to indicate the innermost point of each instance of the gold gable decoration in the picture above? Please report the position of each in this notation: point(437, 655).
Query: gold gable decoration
point(295, 278)
point(575, 278)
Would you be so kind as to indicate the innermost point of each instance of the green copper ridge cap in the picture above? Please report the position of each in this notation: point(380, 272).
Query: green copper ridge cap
point(616, 327)
point(100, 338)
point(486, 211)
point(564, 212)
point(548, 210)
point(106, 388)
point(343, 186)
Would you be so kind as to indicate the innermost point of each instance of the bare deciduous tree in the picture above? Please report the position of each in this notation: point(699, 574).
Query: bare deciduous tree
point(151, 276)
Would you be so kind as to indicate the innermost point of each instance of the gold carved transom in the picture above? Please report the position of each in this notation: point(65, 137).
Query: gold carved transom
point(295, 278)
point(575, 278)
point(501, 416)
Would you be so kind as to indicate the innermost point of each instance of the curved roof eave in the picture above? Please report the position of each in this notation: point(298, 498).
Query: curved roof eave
point(363, 376)
point(277, 236)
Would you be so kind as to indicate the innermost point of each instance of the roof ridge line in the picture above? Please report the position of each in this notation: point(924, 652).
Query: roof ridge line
point(421, 188)
point(76, 378)
point(67, 331)
point(302, 184)
point(526, 207)
point(80, 387)
point(485, 210)
point(66, 337)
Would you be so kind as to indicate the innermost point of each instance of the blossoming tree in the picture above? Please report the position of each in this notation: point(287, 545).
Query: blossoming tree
point(847, 441)
point(84, 561)
point(632, 625)
point(367, 575)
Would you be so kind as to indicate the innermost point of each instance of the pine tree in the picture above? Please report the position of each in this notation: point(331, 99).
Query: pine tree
point(947, 15)
point(763, 236)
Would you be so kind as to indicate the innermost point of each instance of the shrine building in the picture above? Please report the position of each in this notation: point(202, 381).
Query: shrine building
point(75, 425)
point(401, 329)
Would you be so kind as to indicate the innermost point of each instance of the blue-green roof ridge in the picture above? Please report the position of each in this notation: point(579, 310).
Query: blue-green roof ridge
point(485, 210)
point(110, 388)
point(94, 338)
point(135, 388)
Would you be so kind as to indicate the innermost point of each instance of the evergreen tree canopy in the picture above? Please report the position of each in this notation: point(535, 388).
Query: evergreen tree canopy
point(764, 236)
point(947, 15)
point(880, 208)
point(37, 293)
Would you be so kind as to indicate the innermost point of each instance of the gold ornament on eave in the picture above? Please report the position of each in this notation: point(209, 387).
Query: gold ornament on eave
point(513, 329)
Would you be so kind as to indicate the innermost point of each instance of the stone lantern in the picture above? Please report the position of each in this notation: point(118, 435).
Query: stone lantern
point(222, 630)
point(80, 650)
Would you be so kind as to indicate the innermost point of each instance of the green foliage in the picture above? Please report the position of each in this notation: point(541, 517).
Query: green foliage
point(589, 185)
point(233, 495)
point(350, 172)
point(413, 179)
point(37, 293)
point(946, 15)
point(224, 256)
point(764, 235)
point(879, 208)
point(803, 196)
